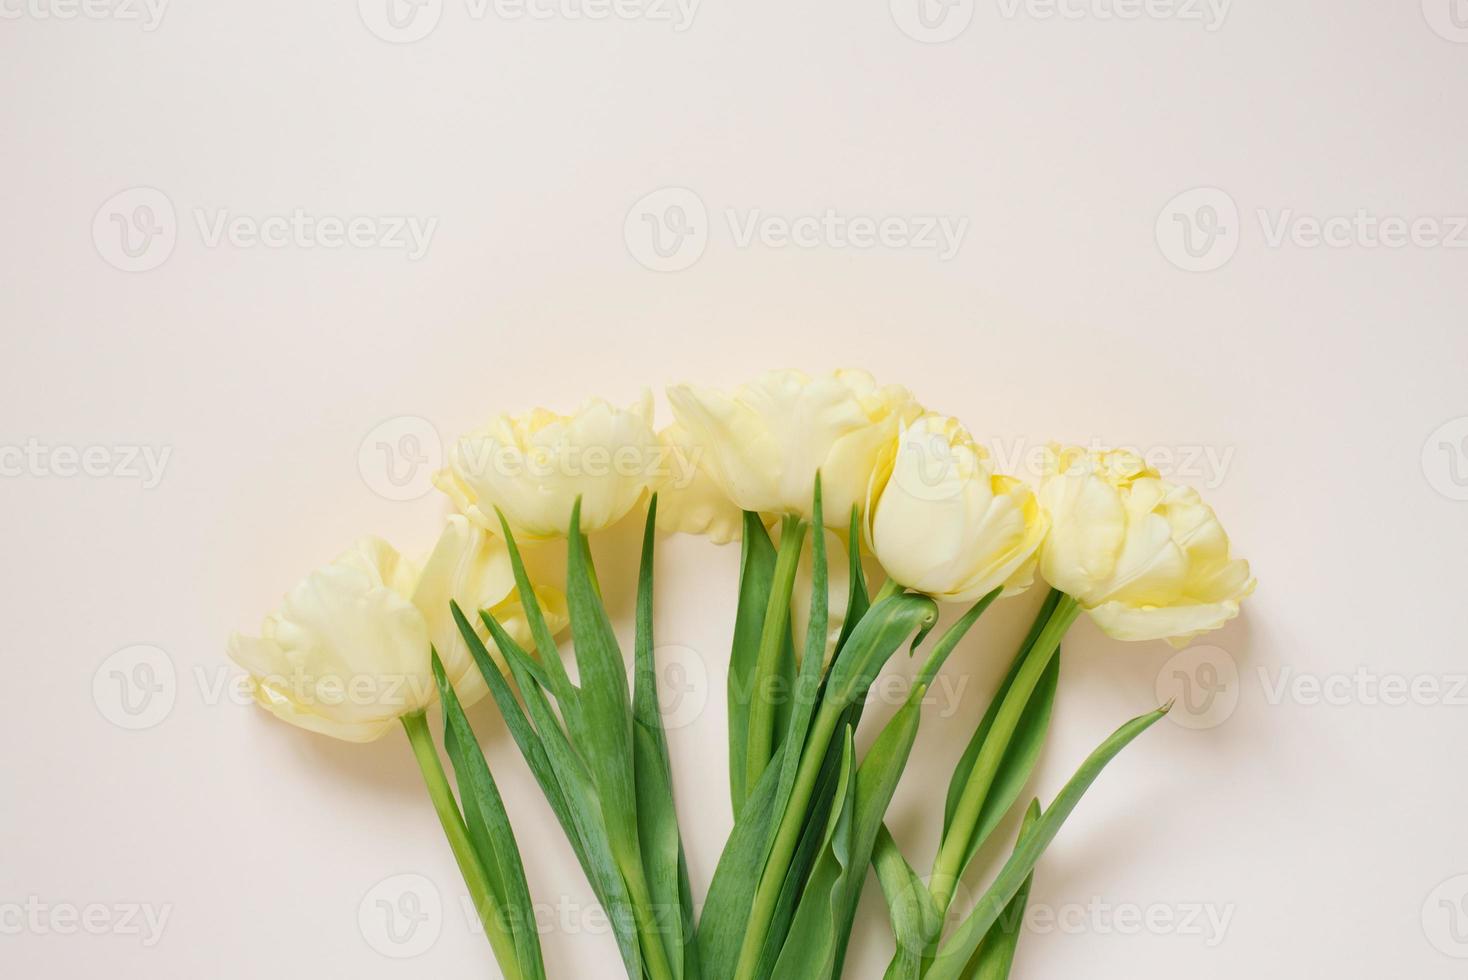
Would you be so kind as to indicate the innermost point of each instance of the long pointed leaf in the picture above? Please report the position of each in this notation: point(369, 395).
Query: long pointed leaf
point(995, 955)
point(561, 775)
point(810, 953)
point(489, 826)
point(915, 917)
point(966, 763)
point(756, 571)
point(954, 955)
point(725, 916)
point(604, 732)
point(657, 820)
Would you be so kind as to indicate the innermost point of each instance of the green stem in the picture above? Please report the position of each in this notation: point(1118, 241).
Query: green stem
point(457, 833)
point(889, 588)
point(792, 821)
point(772, 637)
point(787, 836)
point(649, 926)
point(953, 853)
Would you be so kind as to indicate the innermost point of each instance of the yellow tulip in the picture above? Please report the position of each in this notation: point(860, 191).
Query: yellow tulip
point(940, 520)
point(1146, 558)
point(533, 466)
point(347, 654)
point(691, 500)
point(762, 443)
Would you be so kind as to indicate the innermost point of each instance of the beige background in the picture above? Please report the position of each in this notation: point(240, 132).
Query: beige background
point(1315, 391)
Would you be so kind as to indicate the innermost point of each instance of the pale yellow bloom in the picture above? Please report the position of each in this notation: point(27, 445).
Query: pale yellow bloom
point(1146, 558)
point(763, 443)
point(533, 466)
point(690, 500)
point(348, 652)
point(472, 567)
point(941, 521)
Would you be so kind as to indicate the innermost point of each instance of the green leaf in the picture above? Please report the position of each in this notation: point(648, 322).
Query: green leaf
point(978, 788)
point(966, 764)
point(1019, 760)
point(772, 662)
point(726, 909)
point(562, 777)
point(807, 687)
point(604, 732)
point(914, 915)
point(657, 820)
point(885, 762)
point(808, 850)
point(995, 955)
point(954, 955)
point(809, 952)
point(872, 643)
point(756, 571)
point(489, 828)
point(545, 641)
point(857, 602)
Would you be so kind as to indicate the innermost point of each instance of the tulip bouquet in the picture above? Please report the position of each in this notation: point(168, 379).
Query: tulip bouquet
point(811, 474)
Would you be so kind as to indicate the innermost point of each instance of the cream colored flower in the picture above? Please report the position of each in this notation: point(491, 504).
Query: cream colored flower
point(763, 442)
point(472, 567)
point(690, 500)
point(1146, 558)
point(940, 520)
point(533, 466)
point(347, 654)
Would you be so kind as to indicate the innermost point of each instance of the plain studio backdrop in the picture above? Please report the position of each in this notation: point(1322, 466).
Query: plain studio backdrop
point(263, 262)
